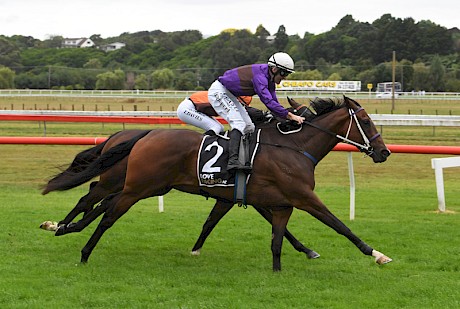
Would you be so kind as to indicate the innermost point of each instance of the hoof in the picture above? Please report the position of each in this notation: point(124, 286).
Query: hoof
point(380, 258)
point(196, 252)
point(49, 226)
point(313, 255)
point(383, 260)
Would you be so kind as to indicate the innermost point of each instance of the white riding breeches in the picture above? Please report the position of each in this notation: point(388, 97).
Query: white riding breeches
point(229, 108)
point(186, 111)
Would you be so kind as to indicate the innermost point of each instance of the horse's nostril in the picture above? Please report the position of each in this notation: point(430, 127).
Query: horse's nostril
point(386, 153)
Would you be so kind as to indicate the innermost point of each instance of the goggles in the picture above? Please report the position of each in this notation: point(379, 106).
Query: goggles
point(284, 73)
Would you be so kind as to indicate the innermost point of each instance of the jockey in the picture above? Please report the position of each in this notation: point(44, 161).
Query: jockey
point(196, 110)
point(249, 80)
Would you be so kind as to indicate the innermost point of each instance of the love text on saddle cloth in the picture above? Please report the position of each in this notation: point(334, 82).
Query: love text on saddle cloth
point(213, 158)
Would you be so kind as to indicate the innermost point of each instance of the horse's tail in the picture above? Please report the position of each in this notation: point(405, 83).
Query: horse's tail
point(85, 158)
point(72, 178)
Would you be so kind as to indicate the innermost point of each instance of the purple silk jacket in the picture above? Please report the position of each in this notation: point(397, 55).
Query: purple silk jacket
point(254, 79)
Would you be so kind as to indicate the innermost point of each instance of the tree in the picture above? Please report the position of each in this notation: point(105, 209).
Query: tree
point(307, 75)
point(421, 80)
point(9, 53)
point(93, 63)
point(281, 39)
point(163, 79)
point(30, 80)
point(141, 82)
point(261, 32)
point(54, 41)
point(186, 81)
point(111, 80)
point(437, 72)
point(334, 76)
point(367, 77)
point(349, 49)
point(226, 52)
point(405, 73)
point(6, 78)
point(96, 38)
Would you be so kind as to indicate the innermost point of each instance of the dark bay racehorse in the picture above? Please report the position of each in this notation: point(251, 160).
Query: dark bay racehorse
point(113, 181)
point(283, 171)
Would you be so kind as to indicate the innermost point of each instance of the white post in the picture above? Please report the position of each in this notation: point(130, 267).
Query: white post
point(438, 174)
point(438, 164)
point(351, 173)
point(160, 203)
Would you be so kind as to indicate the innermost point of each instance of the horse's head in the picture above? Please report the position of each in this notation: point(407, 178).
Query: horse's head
point(364, 132)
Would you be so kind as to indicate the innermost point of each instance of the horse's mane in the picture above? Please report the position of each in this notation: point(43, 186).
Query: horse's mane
point(324, 106)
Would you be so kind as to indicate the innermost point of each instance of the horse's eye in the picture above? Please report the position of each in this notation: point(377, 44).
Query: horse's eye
point(366, 122)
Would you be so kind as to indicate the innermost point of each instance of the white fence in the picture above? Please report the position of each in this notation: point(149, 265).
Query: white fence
point(378, 119)
point(183, 94)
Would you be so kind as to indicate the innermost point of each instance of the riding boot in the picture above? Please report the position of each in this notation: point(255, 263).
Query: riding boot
point(234, 162)
point(245, 144)
point(234, 150)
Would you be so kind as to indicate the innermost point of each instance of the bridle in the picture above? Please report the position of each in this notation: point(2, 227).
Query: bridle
point(365, 147)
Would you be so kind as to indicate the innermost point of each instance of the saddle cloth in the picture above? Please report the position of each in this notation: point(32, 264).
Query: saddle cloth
point(213, 159)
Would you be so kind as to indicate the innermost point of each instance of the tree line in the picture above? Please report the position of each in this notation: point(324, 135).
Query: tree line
point(427, 57)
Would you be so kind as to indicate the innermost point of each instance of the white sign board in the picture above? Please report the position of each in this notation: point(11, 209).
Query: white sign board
point(318, 85)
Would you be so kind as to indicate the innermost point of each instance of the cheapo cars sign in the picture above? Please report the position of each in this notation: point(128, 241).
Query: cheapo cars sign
point(317, 85)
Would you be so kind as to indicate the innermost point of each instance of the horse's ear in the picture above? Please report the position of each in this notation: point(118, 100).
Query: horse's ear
point(346, 100)
point(349, 101)
point(293, 103)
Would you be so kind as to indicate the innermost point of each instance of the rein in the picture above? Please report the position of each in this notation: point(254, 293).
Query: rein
point(362, 147)
point(301, 151)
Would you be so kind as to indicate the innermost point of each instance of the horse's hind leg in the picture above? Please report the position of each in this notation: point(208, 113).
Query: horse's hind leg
point(281, 217)
point(294, 241)
point(89, 217)
point(219, 210)
point(85, 204)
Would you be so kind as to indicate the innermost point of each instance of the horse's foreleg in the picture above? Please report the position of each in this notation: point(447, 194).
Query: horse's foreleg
point(281, 217)
point(117, 205)
point(267, 215)
point(320, 212)
point(219, 210)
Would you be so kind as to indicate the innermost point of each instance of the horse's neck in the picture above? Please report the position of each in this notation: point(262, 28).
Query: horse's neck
point(316, 142)
point(334, 121)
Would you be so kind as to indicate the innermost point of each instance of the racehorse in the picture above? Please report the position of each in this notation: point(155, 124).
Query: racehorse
point(282, 179)
point(113, 180)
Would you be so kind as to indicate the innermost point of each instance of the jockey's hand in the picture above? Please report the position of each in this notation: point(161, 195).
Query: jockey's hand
point(295, 118)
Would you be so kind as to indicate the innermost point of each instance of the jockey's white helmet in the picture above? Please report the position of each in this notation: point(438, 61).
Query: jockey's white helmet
point(282, 60)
